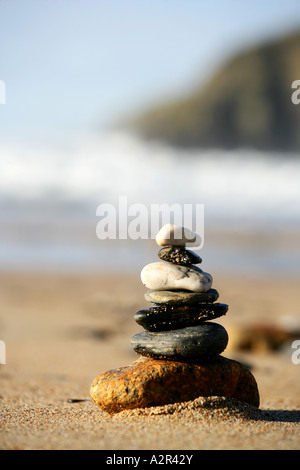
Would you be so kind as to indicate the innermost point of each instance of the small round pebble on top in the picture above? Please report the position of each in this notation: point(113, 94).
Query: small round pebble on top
point(177, 236)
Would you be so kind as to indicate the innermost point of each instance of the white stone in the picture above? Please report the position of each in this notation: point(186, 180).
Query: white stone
point(167, 276)
point(177, 236)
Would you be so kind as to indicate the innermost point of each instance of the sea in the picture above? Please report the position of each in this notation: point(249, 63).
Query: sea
point(50, 190)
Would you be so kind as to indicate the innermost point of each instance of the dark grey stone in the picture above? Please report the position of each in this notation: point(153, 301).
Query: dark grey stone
point(164, 318)
point(191, 343)
point(178, 255)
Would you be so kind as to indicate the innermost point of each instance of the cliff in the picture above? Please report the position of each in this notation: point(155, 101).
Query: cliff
point(246, 104)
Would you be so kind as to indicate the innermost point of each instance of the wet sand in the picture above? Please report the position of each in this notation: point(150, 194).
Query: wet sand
point(61, 331)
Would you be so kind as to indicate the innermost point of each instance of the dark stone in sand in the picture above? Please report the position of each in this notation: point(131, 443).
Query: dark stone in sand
point(181, 297)
point(187, 344)
point(164, 318)
point(152, 382)
point(178, 255)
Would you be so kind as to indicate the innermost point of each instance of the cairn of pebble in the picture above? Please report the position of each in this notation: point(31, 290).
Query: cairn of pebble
point(180, 347)
point(177, 327)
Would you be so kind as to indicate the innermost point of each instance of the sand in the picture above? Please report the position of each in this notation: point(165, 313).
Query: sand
point(62, 330)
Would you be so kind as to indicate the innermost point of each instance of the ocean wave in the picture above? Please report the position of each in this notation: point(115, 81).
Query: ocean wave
point(85, 171)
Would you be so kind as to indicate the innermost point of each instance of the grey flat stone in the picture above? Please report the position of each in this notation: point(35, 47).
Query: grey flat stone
point(180, 297)
point(191, 343)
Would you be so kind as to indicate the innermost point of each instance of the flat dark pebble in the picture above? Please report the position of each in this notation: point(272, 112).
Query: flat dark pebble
point(165, 318)
point(178, 255)
point(191, 343)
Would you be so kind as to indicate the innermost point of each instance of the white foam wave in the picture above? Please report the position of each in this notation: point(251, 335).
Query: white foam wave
point(93, 169)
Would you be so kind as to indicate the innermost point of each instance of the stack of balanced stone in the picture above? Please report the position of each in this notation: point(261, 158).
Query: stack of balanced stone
point(177, 327)
point(180, 346)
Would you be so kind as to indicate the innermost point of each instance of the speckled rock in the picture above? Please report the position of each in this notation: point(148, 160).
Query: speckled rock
point(190, 343)
point(179, 255)
point(150, 382)
point(171, 234)
point(162, 318)
point(180, 297)
point(165, 276)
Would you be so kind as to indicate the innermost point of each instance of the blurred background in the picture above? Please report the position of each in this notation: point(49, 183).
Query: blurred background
point(164, 102)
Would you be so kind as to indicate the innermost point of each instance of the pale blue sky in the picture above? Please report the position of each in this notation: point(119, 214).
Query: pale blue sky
point(71, 65)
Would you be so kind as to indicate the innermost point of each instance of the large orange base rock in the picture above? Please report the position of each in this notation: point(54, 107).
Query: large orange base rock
point(152, 382)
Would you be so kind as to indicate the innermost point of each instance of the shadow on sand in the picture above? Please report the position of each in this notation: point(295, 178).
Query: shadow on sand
point(283, 416)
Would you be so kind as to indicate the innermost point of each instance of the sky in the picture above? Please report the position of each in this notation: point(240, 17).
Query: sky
point(72, 66)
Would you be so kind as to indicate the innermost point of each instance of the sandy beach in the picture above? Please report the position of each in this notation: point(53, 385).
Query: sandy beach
point(117, 119)
point(61, 331)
